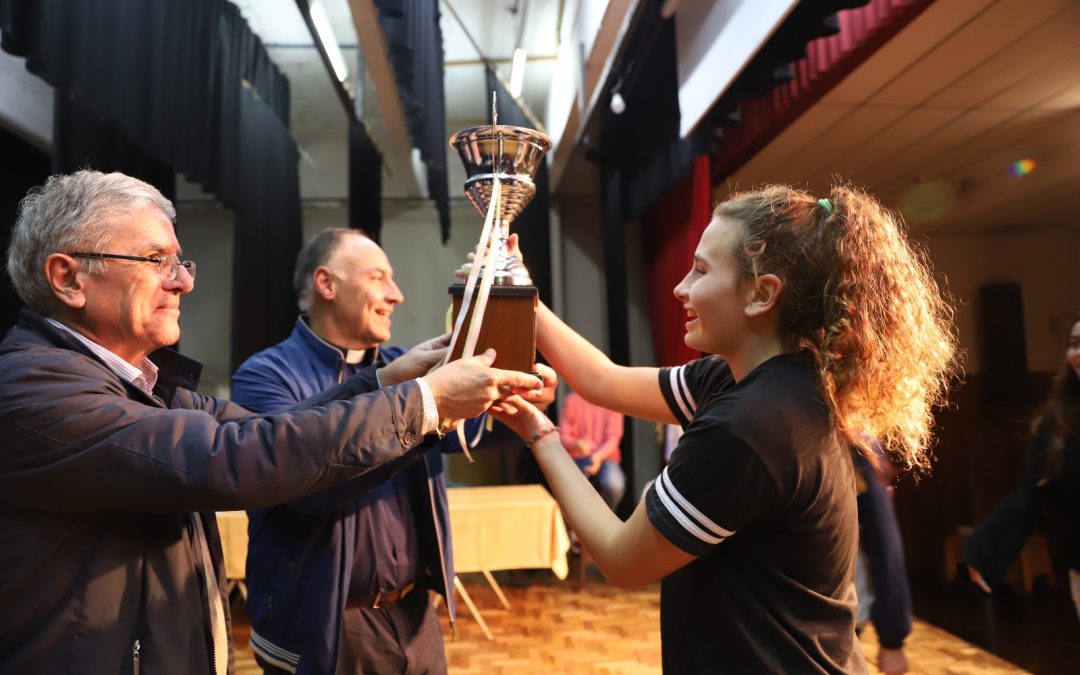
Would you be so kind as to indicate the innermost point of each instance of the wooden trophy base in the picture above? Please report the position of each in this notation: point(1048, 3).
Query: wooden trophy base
point(509, 326)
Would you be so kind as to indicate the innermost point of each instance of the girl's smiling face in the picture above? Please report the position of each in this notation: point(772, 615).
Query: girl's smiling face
point(712, 292)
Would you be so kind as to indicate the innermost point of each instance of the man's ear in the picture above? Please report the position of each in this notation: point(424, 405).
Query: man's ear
point(62, 273)
point(763, 295)
point(323, 283)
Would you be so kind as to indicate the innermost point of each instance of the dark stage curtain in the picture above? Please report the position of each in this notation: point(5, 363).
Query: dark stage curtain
point(644, 141)
point(168, 74)
point(156, 88)
point(82, 141)
point(365, 183)
point(533, 224)
point(416, 52)
point(22, 166)
point(267, 236)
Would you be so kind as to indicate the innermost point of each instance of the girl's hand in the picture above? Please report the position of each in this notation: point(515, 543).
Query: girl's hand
point(542, 398)
point(521, 416)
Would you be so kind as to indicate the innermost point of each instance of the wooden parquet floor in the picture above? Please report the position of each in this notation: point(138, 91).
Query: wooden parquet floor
point(553, 628)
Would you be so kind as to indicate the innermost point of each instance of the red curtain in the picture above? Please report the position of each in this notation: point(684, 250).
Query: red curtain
point(673, 227)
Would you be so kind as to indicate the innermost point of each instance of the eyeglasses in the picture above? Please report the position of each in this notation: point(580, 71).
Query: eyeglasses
point(168, 266)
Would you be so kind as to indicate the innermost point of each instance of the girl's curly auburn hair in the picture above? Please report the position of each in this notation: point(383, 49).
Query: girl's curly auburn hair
point(863, 300)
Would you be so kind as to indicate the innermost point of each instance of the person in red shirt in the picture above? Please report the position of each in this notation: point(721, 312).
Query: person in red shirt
point(591, 435)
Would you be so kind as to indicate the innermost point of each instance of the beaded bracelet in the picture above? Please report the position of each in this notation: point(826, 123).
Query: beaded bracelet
point(538, 435)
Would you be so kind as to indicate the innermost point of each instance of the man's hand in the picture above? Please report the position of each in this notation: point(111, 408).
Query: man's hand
point(594, 465)
point(892, 661)
point(415, 362)
point(467, 387)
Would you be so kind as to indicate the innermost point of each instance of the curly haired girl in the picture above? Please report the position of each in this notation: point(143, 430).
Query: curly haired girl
point(825, 328)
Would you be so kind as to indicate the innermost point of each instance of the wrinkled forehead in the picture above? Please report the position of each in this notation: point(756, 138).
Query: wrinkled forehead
point(358, 253)
point(147, 229)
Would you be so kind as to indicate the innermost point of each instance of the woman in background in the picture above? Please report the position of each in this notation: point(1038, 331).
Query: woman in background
point(1052, 474)
point(826, 328)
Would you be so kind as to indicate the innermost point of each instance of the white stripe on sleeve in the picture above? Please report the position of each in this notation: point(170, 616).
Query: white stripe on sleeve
point(674, 500)
point(681, 393)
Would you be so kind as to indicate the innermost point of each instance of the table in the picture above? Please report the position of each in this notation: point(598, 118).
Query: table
point(232, 525)
point(505, 527)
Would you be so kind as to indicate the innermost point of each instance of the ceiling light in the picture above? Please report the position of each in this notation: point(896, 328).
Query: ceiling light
point(326, 36)
point(517, 72)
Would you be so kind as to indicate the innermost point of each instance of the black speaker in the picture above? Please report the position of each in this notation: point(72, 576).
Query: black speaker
point(1002, 348)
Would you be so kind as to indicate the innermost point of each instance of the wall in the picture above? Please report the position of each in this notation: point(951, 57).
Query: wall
point(205, 231)
point(28, 113)
point(584, 308)
point(1045, 266)
point(980, 449)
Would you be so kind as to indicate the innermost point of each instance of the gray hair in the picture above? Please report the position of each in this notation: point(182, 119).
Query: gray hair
point(317, 252)
point(66, 214)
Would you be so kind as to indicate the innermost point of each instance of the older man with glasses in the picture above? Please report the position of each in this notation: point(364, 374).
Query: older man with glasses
point(108, 456)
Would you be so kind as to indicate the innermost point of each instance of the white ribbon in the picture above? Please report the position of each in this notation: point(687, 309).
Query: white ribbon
point(487, 263)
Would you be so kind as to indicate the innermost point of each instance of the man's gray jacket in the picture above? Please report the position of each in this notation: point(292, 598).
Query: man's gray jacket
point(98, 484)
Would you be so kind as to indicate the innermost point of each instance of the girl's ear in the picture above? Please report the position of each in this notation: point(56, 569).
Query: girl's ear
point(763, 295)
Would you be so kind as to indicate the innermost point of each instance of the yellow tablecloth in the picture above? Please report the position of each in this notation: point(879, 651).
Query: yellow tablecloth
point(234, 541)
point(507, 527)
point(501, 527)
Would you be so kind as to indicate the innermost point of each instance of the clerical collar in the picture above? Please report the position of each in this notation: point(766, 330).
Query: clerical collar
point(350, 356)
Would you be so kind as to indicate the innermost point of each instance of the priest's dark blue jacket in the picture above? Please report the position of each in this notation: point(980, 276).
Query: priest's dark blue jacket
point(302, 556)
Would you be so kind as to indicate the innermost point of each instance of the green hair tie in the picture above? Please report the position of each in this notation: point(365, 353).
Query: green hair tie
point(827, 205)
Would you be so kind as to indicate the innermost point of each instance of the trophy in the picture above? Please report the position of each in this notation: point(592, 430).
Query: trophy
point(500, 162)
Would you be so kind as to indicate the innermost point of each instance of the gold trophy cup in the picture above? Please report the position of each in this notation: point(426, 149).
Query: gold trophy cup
point(511, 154)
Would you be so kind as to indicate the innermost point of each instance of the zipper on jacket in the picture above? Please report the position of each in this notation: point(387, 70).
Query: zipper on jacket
point(203, 583)
point(135, 658)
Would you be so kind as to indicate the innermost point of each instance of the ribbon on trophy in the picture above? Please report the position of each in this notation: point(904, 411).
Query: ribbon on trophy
point(486, 251)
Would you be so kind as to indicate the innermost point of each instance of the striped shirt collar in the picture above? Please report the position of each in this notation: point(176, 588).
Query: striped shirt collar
point(144, 376)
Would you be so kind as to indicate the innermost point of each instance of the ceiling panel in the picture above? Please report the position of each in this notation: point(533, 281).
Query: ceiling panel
point(1049, 87)
point(915, 159)
point(1066, 100)
point(1010, 201)
point(906, 128)
point(822, 152)
point(791, 140)
point(984, 35)
point(922, 35)
point(1029, 55)
point(934, 120)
